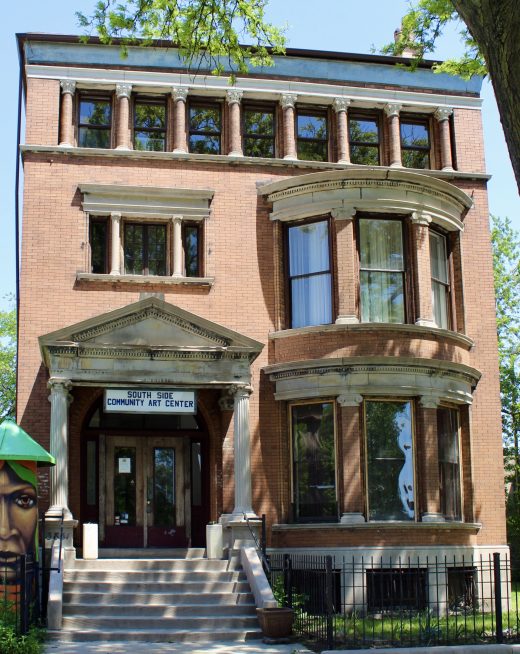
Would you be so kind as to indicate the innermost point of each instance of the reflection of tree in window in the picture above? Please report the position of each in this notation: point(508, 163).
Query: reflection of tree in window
point(164, 487)
point(314, 463)
point(145, 249)
point(364, 140)
point(95, 119)
point(258, 133)
point(149, 126)
point(191, 242)
point(389, 460)
point(312, 136)
point(204, 127)
point(415, 144)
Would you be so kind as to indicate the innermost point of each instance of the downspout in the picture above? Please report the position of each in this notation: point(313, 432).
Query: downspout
point(17, 212)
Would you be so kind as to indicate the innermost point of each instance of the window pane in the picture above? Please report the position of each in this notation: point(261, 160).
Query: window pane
point(311, 127)
point(149, 141)
point(156, 249)
point(415, 159)
point(312, 151)
point(259, 122)
point(205, 119)
point(94, 138)
point(414, 135)
point(311, 301)
point(134, 250)
point(95, 112)
point(363, 130)
point(364, 154)
point(150, 116)
point(314, 465)
point(201, 144)
point(449, 463)
point(124, 486)
point(254, 147)
point(381, 244)
point(390, 461)
point(191, 251)
point(438, 258)
point(98, 246)
point(382, 297)
point(164, 486)
point(308, 248)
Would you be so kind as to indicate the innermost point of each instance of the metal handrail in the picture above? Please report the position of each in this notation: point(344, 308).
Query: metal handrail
point(47, 569)
point(260, 545)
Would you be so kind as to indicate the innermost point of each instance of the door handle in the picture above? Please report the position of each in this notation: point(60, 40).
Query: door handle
point(149, 494)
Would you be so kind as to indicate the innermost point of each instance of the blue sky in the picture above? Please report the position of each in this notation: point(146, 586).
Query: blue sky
point(340, 25)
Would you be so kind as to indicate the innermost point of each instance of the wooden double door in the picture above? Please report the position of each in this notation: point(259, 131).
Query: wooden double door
point(149, 490)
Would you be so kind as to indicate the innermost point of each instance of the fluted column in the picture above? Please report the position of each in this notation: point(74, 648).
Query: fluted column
point(352, 507)
point(288, 102)
point(179, 96)
point(242, 443)
point(347, 264)
point(177, 246)
point(423, 284)
point(443, 116)
point(392, 111)
point(59, 441)
point(68, 88)
point(115, 228)
point(340, 107)
point(234, 98)
point(123, 92)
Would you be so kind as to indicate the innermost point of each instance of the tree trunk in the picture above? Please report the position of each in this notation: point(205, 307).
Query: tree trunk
point(495, 26)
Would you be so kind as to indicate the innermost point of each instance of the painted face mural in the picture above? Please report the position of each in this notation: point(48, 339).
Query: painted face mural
point(18, 512)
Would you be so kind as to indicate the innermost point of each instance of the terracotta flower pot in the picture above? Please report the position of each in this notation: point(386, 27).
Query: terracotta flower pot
point(276, 622)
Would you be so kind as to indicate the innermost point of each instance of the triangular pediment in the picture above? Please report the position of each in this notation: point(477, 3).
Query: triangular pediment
point(152, 324)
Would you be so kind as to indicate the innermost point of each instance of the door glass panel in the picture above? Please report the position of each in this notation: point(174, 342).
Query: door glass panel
point(164, 486)
point(196, 475)
point(125, 486)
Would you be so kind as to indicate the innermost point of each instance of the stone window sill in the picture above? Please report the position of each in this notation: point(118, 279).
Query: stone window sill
point(145, 280)
point(473, 527)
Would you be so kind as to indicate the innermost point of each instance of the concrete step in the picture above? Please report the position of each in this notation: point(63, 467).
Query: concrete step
point(149, 576)
point(153, 564)
point(159, 587)
point(152, 599)
point(159, 610)
point(155, 636)
point(146, 623)
point(152, 553)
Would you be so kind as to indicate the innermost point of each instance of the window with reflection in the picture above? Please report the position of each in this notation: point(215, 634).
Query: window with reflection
point(382, 270)
point(364, 139)
point(149, 125)
point(449, 463)
point(258, 132)
point(191, 240)
point(205, 128)
point(98, 238)
point(314, 461)
point(145, 249)
point(440, 279)
point(312, 135)
point(95, 122)
point(390, 463)
point(310, 274)
point(415, 143)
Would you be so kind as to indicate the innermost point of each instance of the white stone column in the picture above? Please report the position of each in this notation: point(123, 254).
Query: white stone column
point(242, 442)
point(340, 107)
point(392, 111)
point(68, 88)
point(123, 92)
point(234, 98)
point(443, 116)
point(288, 102)
point(178, 263)
point(115, 259)
point(179, 95)
point(60, 400)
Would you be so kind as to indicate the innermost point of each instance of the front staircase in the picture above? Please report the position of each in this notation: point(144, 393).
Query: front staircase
point(183, 599)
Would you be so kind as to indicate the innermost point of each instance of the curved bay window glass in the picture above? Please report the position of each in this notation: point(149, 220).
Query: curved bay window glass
point(205, 128)
point(150, 125)
point(364, 139)
point(309, 274)
point(95, 122)
point(440, 279)
point(415, 143)
point(449, 463)
point(381, 256)
point(312, 135)
point(389, 455)
point(258, 132)
point(145, 249)
point(314, 462)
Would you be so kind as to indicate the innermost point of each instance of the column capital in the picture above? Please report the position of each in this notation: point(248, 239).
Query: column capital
point(340, 104)
point(343, 213)
point(234, 96)
point(115, 216)
point(421, 218)
point(349, 399)
point(176, 218)
point(123, 90)
point(429, 401)
point(59, 385)
point(288, 100)
point(443, 113)
point(240, 390)
point(392, 109)
point(179, 93)
point(68, 86)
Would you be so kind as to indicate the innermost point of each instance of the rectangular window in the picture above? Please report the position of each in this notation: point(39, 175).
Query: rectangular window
point(364, 139)
point(145, 249)
point(440, 279)
point(259, 130)
point(415, 143)
point(312, 138)
point(191, 243)
point(382, 270)
point(149, 125)
point(449, 463)
point(396, 588)
point(314, 461)
point(389, 456)
point(95, 122)
point(205, 128)
point(98, 246)
point(309, 274)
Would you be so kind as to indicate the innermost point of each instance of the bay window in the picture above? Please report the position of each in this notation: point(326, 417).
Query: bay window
point(389, 460)
point(310, 274)
point(314, 461)
point(440, 279)
point(382, 270)
point(449, 463)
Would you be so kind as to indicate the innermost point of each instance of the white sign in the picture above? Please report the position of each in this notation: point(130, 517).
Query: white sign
point(141, 400)
point(125, 465)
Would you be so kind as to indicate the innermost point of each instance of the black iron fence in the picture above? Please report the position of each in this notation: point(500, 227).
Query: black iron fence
point(19, 592)
point(359, 602)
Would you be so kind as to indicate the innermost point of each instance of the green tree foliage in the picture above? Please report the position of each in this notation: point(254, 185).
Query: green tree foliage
point(207, 32)
point(7, 363)
point(506, 259)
